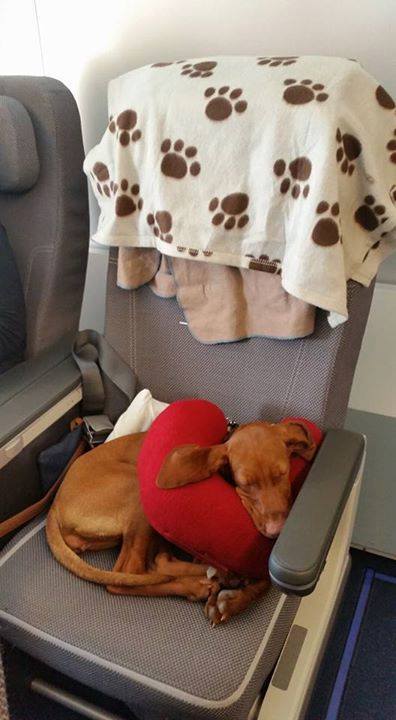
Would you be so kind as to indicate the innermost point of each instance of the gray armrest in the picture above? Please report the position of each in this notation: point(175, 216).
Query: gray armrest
point(299, 554)
point(32, 387)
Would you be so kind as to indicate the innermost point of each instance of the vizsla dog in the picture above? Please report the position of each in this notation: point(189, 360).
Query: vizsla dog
point(98, 506)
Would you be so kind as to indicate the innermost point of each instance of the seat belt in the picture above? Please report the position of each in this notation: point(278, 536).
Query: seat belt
point(93, 354)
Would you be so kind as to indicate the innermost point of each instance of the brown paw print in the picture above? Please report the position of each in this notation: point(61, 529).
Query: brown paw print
point(370, 216)
point(384, 99)
point(327, 231)
point(192, 251)
point(302, 92)
point(173, 164)
point(125, 204)
point(123, 127)
point(232, 206)
point(300, 170)
point(276, 61)
point(221, 107)
point(199, 69)
point(104, 185)
point(100, 173)
point(161, 224)
point(392, 193)
point(348, 149)
point(391, 146)
point(264, 264)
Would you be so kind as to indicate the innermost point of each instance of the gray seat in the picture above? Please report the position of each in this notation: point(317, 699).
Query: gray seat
point(44, 208)
point(44, 203)
point(159, 655)
point(150, 654)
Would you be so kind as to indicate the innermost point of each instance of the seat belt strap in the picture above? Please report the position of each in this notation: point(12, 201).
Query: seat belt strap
point(94, 355)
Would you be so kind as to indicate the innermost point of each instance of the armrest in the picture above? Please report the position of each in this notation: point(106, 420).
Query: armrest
point(30, 388)
point(299, 554)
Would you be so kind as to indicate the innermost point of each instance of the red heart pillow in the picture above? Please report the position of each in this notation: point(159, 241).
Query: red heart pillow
point(206, 518)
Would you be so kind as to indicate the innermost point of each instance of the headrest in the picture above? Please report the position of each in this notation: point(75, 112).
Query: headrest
point(19, 162)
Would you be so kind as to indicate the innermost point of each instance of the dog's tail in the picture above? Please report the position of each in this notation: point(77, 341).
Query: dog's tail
point(66, 557)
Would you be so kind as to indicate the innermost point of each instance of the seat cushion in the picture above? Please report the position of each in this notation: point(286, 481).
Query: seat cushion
point(159, 656)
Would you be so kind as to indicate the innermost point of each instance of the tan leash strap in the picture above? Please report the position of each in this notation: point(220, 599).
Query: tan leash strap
point(16, 521)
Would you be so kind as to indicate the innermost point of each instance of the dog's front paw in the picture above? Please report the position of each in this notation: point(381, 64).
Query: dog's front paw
point(232, 602)
point(211, 609)
point(222, 606)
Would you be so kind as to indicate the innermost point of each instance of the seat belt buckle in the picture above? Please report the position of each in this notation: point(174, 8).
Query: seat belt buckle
point(96, 428)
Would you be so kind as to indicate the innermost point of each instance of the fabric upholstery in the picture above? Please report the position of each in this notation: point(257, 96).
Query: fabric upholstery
point(160, 656)
point(220, 303)
point(257, 378)
point(19, 162)
point(225, 304)
point(269, 189)
point(12, 308)
point(48, 225)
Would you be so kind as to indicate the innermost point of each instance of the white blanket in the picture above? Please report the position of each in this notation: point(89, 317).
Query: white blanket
point(279, 164)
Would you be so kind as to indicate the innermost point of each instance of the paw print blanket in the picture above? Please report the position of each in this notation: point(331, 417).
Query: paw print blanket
point(285, 165)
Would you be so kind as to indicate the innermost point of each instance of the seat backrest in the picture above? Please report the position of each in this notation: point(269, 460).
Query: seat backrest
point(255, 378)
point(44, 203)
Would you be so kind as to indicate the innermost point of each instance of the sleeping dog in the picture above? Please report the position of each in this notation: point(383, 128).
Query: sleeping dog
point(98, 506)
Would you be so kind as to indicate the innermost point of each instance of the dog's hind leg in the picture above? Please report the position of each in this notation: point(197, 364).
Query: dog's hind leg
point(133, 556)
point(192, 588)
point(80, 544)
point(166, 564)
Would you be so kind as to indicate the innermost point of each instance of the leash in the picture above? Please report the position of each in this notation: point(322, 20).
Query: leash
point(16, 521)
point(93, 355)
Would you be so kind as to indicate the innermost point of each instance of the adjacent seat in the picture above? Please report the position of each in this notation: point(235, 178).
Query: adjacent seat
point(44, 204)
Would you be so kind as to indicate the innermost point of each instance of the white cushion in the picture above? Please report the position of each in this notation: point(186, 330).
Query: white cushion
point(138, 416)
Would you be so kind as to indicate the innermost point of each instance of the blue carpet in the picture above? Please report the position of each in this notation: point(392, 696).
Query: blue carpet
point(357, 680)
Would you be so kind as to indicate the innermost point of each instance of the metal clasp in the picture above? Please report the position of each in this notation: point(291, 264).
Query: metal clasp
point(231, 426)
point(96, 429)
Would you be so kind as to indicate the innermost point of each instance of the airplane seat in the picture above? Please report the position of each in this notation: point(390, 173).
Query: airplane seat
point(44, 204)
point(160, 656)
point(44, 209)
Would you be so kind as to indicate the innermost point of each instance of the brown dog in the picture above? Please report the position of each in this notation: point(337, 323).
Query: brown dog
point(98, 506)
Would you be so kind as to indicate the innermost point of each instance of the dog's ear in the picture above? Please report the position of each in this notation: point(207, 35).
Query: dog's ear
point(298, 439)
point(191, 463)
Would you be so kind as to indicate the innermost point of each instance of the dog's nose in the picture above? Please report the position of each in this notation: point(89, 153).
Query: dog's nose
point(272, 528)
